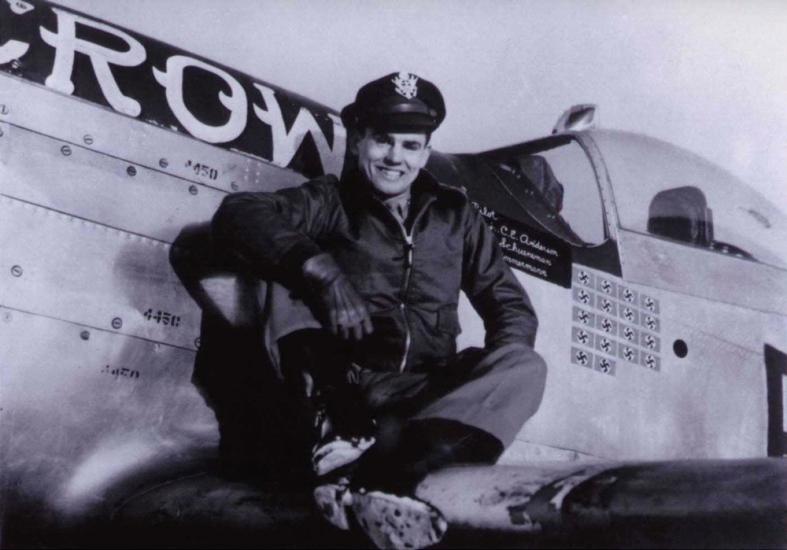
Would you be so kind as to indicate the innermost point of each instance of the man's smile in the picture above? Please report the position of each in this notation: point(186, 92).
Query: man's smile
point(389, 173)
point(391, 161)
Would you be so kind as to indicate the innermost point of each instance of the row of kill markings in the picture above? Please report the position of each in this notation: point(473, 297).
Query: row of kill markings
point(613, 323)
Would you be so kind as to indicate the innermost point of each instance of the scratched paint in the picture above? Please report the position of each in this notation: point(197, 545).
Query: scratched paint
point(541, 500)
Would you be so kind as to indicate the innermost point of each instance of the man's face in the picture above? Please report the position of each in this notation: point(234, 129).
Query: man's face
point(391, 161)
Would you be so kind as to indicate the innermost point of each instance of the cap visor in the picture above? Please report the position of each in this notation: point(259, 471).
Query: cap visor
point(404, 123)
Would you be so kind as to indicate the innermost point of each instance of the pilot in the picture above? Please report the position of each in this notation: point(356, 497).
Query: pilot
point(380, 256)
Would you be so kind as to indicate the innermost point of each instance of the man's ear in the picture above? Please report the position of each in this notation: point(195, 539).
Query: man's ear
point(426, 152)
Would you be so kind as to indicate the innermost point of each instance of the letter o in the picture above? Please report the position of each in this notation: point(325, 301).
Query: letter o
point(172, 80)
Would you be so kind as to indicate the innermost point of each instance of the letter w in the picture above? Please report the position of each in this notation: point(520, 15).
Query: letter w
point(286, 144)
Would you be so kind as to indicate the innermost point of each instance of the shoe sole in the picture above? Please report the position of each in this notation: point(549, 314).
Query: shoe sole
point(333, 501)
point(398, 522)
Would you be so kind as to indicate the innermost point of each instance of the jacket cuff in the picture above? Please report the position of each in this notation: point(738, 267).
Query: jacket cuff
point(292, 261)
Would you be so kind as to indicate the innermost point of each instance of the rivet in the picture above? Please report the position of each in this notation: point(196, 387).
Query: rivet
point(88, 139)
point(234, 186)
point(163, 163)
point(117, 323)
point(85, 335)
point(131, 171)
point(193, 189)
point(66, 150)
point(197, 342)
point(17, 271)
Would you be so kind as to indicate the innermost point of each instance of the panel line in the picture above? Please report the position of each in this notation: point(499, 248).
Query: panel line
point(115, 332)
point(88, 220)
point(127, 161)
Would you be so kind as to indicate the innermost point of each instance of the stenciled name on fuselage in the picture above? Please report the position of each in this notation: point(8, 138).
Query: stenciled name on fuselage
point(147, 79)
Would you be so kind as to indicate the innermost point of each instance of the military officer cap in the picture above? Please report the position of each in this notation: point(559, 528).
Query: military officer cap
point(398, 102)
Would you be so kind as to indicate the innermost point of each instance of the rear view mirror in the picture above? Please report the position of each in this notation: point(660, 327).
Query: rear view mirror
point(576, 118)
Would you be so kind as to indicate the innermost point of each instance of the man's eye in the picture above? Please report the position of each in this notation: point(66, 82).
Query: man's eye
point(382, 140)
point(412, 146)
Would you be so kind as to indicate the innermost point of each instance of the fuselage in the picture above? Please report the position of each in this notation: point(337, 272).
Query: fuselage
point(657, 303)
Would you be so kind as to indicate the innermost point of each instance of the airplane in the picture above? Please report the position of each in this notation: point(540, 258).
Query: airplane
point(659, 279)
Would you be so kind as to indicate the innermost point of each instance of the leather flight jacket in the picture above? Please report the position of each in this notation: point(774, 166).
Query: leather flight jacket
point(409, 275)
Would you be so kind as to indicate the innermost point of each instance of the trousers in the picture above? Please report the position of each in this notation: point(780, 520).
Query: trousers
point(495, 390)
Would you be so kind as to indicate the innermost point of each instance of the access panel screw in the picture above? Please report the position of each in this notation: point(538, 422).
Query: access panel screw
point(66, 150)
point(17, 271)
point(193, 189)
point(117, 323)
point(131, 171)
point(88, 139)
point(163, 163)
point(85, 335)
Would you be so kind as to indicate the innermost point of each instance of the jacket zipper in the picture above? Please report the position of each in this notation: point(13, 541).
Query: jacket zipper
point(408, 267)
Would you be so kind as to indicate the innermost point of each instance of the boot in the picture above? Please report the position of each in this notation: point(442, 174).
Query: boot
point(399, 462)
point(383, 485)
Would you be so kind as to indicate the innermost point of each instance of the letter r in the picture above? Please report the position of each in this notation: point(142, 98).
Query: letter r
point(66, 44)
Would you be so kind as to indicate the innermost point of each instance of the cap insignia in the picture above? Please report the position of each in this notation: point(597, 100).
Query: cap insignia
point(406, 85)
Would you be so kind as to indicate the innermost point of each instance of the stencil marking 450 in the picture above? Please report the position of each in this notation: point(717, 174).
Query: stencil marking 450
point(203, 170)
point(162, 317)
point(121, 372)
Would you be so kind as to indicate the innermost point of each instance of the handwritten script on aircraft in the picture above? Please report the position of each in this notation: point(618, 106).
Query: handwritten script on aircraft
point(529, 250)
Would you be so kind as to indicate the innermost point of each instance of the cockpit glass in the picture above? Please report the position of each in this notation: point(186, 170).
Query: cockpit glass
point(669, 192)
point(554, 182)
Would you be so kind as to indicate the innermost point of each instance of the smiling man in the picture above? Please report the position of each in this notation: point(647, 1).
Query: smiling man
point(381, 256)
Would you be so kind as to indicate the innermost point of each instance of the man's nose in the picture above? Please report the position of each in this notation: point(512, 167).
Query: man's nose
point(394, 154)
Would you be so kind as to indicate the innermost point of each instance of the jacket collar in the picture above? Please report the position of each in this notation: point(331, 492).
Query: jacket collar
point(357, 195)
point(357, 191)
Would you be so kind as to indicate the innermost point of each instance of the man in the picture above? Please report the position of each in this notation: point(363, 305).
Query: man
point(380, 256)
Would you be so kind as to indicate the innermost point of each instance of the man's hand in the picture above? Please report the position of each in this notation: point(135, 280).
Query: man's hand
point(345, 312)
